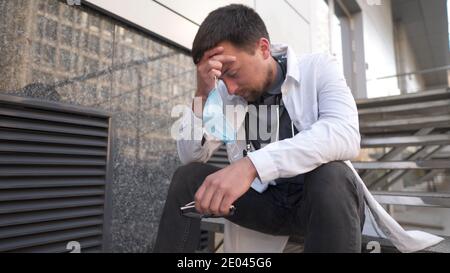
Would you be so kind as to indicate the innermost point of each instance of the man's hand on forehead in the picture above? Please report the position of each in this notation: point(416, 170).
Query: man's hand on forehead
point(210, 68)
point(217, 54)
point(219, 61)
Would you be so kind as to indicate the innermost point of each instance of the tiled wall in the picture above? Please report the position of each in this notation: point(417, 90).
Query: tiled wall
point(53, 51)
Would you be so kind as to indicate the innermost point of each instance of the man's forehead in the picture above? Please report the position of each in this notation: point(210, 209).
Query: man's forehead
point(230, 49)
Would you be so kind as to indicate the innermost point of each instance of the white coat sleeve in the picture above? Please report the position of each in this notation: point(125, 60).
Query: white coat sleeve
point(189, 139)
point(334, 136)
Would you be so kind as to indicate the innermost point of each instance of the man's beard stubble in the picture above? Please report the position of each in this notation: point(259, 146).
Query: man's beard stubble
point(255, 94)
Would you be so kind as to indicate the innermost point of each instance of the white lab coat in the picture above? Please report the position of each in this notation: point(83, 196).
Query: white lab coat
point(323, 110)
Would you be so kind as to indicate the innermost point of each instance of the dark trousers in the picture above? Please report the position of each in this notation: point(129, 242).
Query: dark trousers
point(326, 208)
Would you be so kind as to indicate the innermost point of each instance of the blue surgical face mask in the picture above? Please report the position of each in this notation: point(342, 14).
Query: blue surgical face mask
point(214, 121)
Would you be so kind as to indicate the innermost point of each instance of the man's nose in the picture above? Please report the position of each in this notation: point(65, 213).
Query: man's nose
point(232, 87)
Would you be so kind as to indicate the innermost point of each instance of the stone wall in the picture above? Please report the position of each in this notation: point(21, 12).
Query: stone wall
point(56, 52)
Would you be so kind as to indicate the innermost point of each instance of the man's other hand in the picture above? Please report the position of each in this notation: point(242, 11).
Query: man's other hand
point(222, 188)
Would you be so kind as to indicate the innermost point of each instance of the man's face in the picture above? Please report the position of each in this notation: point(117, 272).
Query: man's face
point(251, 74)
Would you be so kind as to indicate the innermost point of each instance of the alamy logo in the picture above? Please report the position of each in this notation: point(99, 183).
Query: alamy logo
point(374, 246)
point(75, 246)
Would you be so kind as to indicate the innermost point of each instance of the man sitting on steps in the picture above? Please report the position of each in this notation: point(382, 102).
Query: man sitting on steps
point(293, 184)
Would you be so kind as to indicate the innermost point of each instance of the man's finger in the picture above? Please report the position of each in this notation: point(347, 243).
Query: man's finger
point(214, 73)
point(224, 58)
point(213, 64)
point(205, 202)
point(227, 202)
point(208, 54)
point(203, 196)
point(199, 196)
point(215, 202)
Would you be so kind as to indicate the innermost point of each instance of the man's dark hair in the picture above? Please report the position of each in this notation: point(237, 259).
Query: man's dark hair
point(235, 23)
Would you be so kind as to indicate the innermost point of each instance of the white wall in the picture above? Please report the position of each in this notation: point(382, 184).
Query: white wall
point(197, 10)
point(288, 21)
point(406, 62)
point(379, 48)
point(153, 17)
point(299, 23)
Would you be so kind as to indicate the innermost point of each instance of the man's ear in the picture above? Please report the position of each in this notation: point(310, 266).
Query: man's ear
point(264, 46)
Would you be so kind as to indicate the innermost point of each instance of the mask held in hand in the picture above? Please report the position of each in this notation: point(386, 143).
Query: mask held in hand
point(215, 121)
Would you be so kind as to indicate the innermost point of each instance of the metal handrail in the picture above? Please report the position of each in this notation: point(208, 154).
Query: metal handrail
point(423, 71)
point(420, 199)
